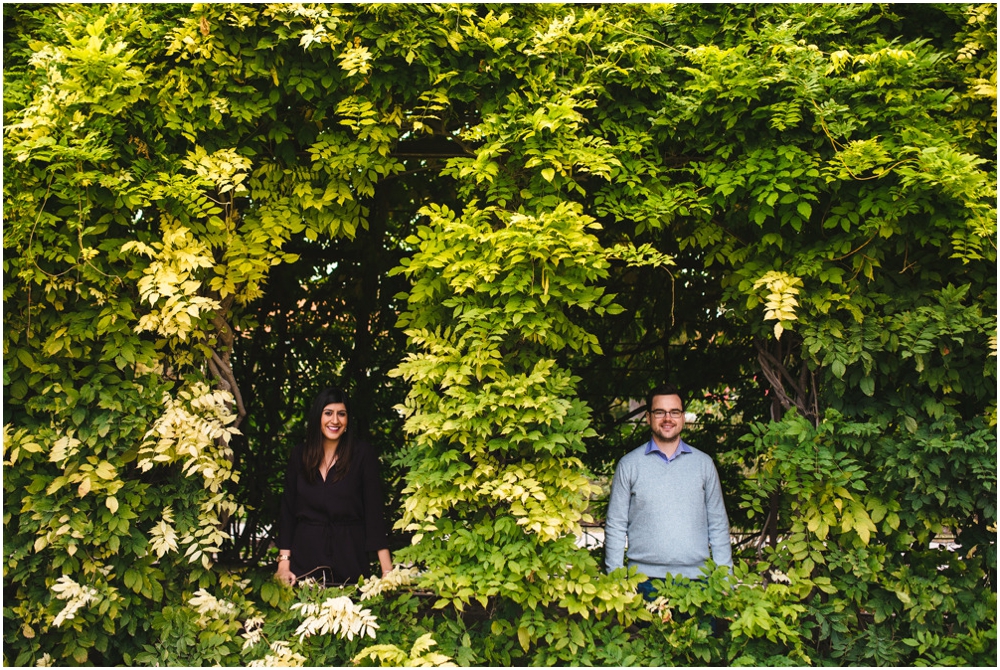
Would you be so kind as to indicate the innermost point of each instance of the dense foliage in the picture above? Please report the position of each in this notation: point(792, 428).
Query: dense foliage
point(497, 225)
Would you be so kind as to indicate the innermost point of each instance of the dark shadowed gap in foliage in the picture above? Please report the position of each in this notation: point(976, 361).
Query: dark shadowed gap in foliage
point(328, 319)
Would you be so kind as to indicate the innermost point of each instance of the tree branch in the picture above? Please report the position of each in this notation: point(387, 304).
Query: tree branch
point(789, 391)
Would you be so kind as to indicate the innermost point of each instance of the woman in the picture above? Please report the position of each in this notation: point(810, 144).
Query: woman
point(332, 512)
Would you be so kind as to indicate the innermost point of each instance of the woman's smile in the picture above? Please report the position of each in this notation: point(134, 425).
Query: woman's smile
point(334, 421)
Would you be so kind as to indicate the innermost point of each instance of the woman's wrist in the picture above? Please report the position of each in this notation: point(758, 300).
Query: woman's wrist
point(385, 561)
point(284, 556)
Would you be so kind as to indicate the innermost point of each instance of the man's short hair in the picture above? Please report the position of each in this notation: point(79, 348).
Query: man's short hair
point(664, 389)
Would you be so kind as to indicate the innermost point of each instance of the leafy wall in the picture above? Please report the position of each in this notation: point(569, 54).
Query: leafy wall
point(211, 209)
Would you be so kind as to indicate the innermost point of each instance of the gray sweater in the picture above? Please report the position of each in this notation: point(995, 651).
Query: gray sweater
point(671, 513)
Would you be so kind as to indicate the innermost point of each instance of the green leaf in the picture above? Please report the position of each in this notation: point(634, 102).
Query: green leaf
point(524, 637)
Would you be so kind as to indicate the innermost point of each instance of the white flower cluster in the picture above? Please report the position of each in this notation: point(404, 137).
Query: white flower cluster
point(339, 616)
point(376, 586)
point(779, 577)
point(208, 605)
point(661, 608)
point(75, 595)
point(253, 631)
point(281, 655)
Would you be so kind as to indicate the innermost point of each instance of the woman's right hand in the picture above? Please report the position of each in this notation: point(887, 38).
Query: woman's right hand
point(285, 574)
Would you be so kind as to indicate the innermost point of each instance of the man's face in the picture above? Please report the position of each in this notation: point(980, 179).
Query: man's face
point(666, 418)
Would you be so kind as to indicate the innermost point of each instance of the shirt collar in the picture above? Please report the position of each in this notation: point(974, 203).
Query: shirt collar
point(682, 448)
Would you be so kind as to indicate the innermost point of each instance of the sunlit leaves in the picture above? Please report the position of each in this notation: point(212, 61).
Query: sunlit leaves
point(163, 537)
point(170, 283)
point(491, 413)
point(75, 595)
point(355, 60)
point(419, 655)
point(225, 169)
point(194, 430)
point(779, 302)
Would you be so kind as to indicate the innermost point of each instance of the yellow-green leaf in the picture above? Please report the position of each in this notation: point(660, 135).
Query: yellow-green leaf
point(524, 637)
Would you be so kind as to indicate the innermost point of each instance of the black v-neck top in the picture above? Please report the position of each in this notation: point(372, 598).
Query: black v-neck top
point(332, 525)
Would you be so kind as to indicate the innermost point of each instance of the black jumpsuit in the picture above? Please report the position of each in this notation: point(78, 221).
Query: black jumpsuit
point(331, 526)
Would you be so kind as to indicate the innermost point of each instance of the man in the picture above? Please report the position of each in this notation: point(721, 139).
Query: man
point(666, 500)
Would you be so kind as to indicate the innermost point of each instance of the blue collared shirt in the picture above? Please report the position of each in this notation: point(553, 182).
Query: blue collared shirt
point(682, 448)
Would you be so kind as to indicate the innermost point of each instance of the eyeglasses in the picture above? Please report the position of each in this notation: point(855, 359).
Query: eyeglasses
point(673, 413)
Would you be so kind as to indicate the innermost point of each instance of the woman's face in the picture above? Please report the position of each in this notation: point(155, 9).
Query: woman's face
point(333, 422)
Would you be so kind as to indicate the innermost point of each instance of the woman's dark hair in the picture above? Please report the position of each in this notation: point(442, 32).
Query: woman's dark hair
point(312, 454)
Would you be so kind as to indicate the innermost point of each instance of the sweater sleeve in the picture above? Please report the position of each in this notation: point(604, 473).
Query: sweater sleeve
point(616, 524)
point(718, 521)
point(286, 514)
point(376, 533)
